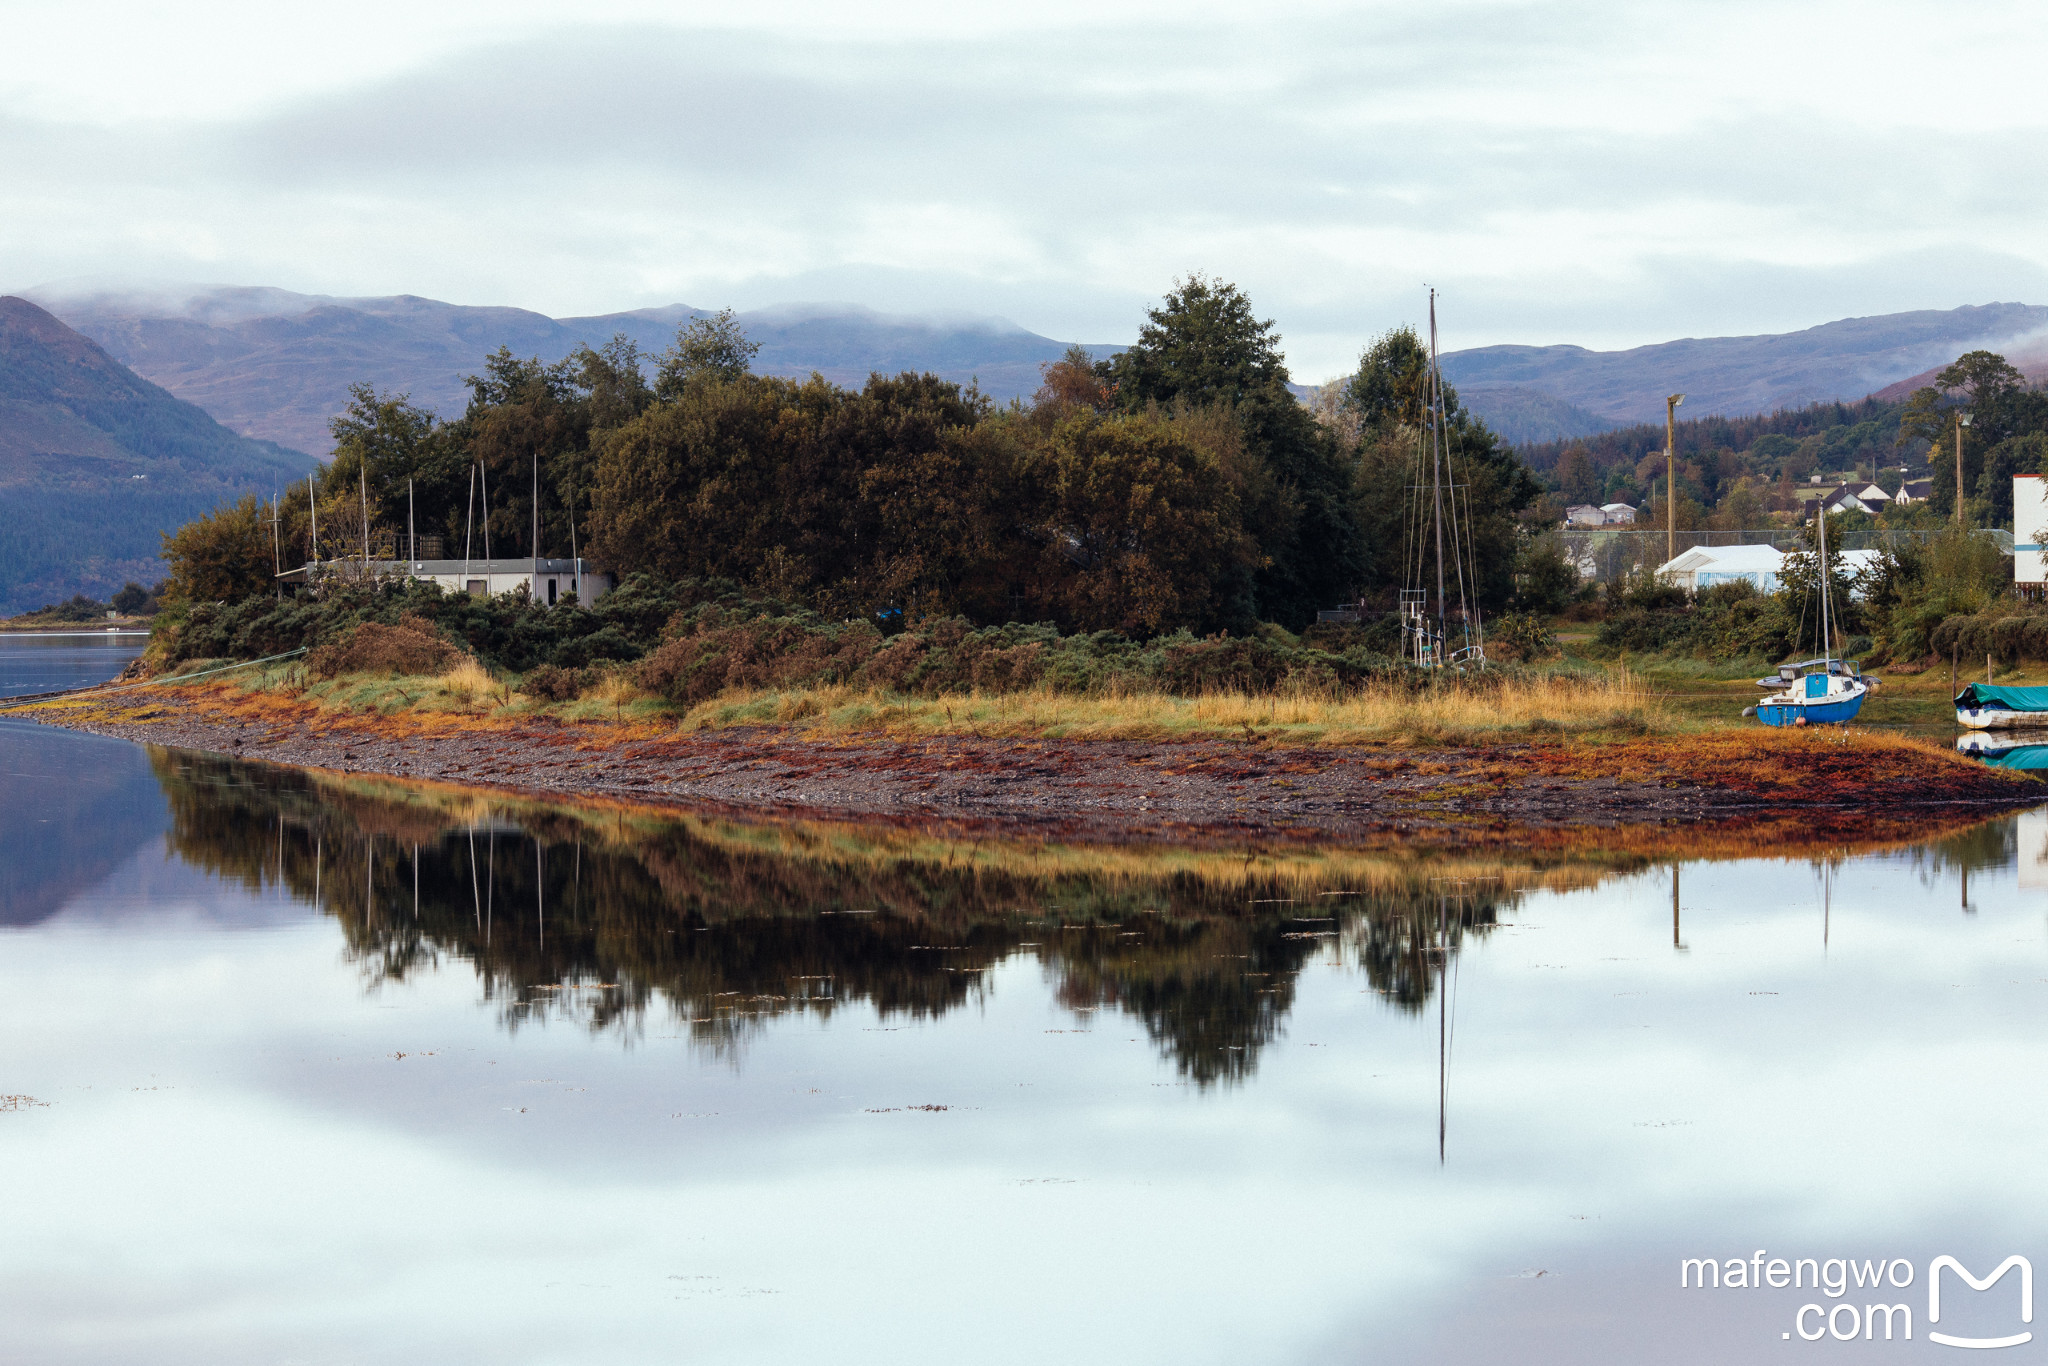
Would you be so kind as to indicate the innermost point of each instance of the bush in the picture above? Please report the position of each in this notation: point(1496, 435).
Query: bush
point(552, 683)
point(1545, 581)
point(1726, 621)
point(1519, 636)
point(714, 648)
point(505, 632)
point(411, 647)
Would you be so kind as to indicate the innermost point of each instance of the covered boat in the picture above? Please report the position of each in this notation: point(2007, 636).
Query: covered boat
point(1986, 706)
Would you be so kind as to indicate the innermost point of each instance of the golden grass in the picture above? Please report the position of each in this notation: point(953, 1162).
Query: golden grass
point(1606, 706)
point(1612, 704)
point(467, 681)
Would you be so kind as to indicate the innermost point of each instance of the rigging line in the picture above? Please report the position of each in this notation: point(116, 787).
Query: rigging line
point(1436, 469)
point(1459, 547)
point(1477, 626)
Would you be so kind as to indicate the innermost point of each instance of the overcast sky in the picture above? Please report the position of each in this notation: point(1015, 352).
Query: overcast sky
point(1601, 173)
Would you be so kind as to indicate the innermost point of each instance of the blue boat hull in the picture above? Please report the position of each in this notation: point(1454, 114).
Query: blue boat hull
point(1830, 712)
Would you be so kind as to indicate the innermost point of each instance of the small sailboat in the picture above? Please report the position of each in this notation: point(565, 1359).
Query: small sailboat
point(1820, 692)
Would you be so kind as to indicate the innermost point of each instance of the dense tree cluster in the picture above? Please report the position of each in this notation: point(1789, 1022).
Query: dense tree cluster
point(1178, 485)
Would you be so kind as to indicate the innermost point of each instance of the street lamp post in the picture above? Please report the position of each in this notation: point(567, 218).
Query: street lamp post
point(1671, 477)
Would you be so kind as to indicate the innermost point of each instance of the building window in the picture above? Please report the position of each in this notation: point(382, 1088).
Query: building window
point(552, 587)
point(478, 588)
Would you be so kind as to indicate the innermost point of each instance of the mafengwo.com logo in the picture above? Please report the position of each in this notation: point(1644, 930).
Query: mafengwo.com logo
point(1861, 1300)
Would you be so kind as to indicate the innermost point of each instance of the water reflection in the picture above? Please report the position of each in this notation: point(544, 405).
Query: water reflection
point(599, 915)
point(2023, 751)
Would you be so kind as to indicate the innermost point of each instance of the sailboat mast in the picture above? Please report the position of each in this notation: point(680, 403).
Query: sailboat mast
point(1436, 478)
point(1827, 642)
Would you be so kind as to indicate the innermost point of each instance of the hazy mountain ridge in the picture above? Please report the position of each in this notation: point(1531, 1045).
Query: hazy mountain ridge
point(1521, 414)
point(96, 462)
point(277, 365)
point(1843, 360)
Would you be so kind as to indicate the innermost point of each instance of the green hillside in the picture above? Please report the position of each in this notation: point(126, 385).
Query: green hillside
point(97, 462)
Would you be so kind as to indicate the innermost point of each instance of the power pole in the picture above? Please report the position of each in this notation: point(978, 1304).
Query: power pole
point(363, 486)
point(1962, 421)
point(313, 536)
point(1671, 476)
point(276, 545)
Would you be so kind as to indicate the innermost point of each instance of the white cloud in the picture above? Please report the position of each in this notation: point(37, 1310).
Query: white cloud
point(1603, 174)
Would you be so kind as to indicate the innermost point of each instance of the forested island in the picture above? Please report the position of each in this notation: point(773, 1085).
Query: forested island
point(1165, 544)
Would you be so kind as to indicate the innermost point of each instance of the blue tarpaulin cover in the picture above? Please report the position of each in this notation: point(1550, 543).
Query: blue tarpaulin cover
point(1979, 695)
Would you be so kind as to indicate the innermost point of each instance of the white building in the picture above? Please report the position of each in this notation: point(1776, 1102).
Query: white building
point(548, 581)
point(2029, 531)
point(1706, 565)
point(1914, 491)
point(1585, 515)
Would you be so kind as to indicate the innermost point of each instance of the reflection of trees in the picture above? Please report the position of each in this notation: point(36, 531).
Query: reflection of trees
point(572, 916)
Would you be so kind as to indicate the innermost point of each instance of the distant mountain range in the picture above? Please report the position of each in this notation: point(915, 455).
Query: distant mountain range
point(1728, 376)
point(96, 463)
point(277, 365)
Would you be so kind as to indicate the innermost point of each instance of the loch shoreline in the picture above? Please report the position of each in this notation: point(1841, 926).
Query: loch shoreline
point(1828, 784)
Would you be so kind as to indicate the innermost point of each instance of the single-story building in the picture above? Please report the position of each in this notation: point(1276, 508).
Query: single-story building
point(1607, 514)
point(548, 581)
point(1914, 491)
point(1706, 565)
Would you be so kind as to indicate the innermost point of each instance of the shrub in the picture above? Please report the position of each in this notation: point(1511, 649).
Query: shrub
point(552, 683)
point(371, 648)
point(1519, 636)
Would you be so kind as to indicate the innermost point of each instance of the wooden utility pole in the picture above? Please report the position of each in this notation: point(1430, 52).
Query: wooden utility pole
point(363, 485)
point(1671, 476)
point(1962, 421)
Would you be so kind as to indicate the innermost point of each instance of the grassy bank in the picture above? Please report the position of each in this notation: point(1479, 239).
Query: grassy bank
point(1608, 705)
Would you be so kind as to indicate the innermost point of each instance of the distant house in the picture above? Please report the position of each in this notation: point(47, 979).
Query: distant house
point(1584, 515)
point(1918, 491)
point(1856, 497)
point(545, 580)
point(1704, 566)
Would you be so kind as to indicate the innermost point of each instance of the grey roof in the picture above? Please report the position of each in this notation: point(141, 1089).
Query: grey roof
point(475, 568)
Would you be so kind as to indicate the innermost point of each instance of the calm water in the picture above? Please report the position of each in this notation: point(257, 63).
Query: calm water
point(315, 1071)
